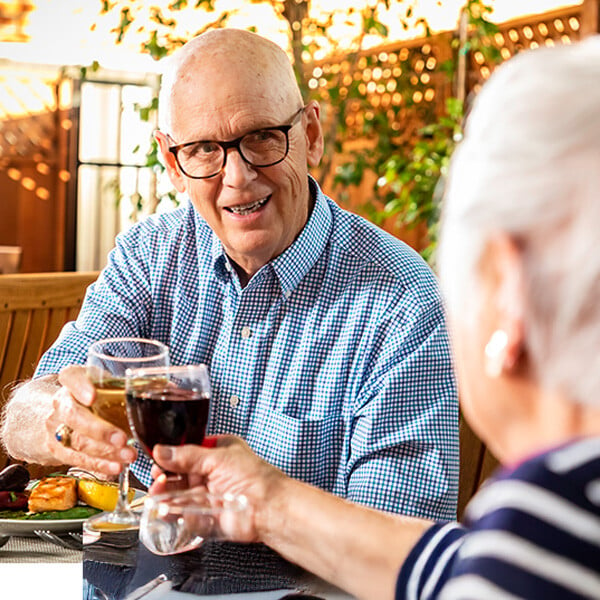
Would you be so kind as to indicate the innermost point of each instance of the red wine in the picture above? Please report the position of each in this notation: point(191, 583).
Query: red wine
point(167, 415)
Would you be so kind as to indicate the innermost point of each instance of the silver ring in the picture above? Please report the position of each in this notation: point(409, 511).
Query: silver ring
point(63, 435)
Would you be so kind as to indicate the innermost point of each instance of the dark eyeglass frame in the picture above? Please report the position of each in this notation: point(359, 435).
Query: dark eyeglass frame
point(285, 129)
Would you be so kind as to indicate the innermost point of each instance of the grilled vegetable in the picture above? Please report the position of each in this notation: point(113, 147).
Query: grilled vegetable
point(13, 500)
point(100, 494)
point(14, 478)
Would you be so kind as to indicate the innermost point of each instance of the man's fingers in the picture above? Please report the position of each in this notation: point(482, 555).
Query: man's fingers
point(98, 448)
point(94, 444)
point(77, 391)
point(90, 463)
point(75, 379)
point(82, 420)
point(88, 453)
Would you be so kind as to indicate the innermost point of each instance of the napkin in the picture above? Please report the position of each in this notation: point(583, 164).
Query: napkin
point(226, 568)
point(214, 568)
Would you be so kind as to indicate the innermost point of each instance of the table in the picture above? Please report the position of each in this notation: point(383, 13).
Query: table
point(39, 569)
point(19, 550)
point(215, 570)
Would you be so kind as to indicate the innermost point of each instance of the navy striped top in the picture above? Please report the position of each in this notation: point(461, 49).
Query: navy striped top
point(530, 532)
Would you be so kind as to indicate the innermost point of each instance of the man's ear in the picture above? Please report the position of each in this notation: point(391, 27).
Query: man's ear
point(175, 175)
point(314, 133)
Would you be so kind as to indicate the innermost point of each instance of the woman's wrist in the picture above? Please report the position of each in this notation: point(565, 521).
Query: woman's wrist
point(271, 515)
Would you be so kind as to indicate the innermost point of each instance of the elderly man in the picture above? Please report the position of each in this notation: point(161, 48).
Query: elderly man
point(324, 335)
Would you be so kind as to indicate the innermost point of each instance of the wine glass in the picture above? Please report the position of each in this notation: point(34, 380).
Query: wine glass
point(182, 520)
point(107, 363)
point(168, 405)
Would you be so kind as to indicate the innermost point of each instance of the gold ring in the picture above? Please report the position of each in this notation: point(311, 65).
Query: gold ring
point(63, 435)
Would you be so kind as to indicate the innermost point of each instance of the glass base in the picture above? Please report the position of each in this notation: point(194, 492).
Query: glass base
point(112, 521)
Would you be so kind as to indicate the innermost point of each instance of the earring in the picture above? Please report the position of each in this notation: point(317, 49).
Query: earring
point(495, 353)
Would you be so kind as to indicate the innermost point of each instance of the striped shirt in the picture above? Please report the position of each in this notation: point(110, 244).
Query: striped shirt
point(533, 532)
point(333, 362)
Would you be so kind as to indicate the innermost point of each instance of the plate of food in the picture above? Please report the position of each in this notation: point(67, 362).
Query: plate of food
point(58, 503)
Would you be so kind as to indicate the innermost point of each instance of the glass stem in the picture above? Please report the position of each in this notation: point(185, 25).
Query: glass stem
point(122, 500)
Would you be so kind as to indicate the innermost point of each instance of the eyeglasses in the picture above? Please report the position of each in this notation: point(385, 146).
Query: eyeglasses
point(261, 148)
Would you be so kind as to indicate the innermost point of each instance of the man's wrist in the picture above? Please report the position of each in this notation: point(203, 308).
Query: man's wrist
point(24, 418)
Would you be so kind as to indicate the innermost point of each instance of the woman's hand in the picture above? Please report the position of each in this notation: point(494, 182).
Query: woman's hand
point(230, 467)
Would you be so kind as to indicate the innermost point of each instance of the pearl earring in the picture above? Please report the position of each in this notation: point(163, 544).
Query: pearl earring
point(495, 353)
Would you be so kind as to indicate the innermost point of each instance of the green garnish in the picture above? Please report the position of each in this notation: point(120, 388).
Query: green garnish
point(77, 512)
point(13, 514)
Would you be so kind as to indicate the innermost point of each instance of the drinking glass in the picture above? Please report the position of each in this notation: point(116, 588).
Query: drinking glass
point(168, 405)
point(107, 363)
point(182, 520)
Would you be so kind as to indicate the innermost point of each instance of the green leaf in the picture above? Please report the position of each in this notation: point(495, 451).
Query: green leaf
point(106, 6)
point(455, 107)
point(124, 23)
point(380, 28)
point(178, 5)
point(206, 4)
point(154, 47)
point(157, 16)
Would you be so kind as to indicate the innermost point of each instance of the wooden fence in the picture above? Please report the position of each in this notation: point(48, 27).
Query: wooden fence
point(39, 122)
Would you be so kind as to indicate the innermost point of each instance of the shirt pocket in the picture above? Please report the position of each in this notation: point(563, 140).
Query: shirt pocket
point(309, 449)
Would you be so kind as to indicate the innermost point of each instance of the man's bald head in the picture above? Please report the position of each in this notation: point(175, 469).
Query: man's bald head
point(228, 92)
point(223, 58)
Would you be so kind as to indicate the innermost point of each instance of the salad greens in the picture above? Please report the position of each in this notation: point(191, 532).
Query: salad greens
point(77, 512)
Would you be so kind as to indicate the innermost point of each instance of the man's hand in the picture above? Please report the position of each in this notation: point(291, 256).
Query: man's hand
point(96, 445)
point(232, 468)
point(38, 407)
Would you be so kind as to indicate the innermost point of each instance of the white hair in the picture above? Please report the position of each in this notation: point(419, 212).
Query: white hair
point(529, 167)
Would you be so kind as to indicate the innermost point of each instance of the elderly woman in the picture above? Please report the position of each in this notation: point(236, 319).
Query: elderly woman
point(522, 281)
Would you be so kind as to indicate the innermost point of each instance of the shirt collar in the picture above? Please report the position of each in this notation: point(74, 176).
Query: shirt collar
point(294, 263)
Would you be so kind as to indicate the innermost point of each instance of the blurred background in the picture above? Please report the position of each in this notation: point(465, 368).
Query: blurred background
point(78, 99)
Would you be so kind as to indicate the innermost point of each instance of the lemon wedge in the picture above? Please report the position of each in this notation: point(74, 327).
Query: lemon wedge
point(100, 494)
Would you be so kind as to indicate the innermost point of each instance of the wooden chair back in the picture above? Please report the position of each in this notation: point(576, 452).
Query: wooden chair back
point(476, 464)
point(33, 309)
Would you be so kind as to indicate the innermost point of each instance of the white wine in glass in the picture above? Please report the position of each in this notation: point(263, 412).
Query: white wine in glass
point(107, 363)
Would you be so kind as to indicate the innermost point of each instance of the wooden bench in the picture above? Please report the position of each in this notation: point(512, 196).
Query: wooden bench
point(33, 309)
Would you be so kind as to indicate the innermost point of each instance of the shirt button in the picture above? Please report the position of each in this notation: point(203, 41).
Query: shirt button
point(287, 294)
point(246, 332)
point(234, 401)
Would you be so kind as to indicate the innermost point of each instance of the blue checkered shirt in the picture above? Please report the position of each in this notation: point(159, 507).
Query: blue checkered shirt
point(333, 363)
